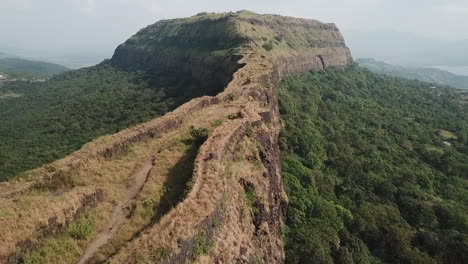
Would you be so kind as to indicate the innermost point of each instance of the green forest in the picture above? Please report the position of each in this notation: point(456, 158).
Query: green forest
point(375, 169)
point(49, 120)
point(43, 122)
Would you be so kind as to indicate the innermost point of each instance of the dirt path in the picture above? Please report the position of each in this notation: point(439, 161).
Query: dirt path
point(118, 215)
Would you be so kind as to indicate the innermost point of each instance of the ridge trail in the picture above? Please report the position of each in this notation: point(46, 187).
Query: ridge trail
point(118, 215)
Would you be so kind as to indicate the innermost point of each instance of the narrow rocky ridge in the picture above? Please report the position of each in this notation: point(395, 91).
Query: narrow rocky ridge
point(185, 224)
point(213, 224)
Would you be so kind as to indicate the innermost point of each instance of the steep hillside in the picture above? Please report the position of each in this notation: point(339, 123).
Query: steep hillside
point(422, 74)
point(375, 169)
point(17, 68)
point(199, 184)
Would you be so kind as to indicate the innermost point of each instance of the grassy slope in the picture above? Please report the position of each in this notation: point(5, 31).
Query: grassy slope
point(368, 176)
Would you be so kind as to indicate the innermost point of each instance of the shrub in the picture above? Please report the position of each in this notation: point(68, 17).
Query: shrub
point(268, 46)
point(231, 97)
point(199, 135)
point(217, 122)
point(82, 228)
point(249, 131)
point(250, 195)
point(202, 245)
point(235, 116)
point(161, 253)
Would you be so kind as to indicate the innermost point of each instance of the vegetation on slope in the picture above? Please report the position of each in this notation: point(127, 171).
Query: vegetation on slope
point(197, 55)
point(16, 67)
point(422, 74)
point(158, 69)
point(370, 172)
point(53, 119)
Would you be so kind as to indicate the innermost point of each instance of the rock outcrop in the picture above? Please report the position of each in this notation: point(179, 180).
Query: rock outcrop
point(235, 208)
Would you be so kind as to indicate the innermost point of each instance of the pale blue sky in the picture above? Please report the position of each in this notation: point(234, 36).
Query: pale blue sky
point(100, 25)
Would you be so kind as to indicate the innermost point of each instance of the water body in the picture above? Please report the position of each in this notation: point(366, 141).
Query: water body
point(460, 70)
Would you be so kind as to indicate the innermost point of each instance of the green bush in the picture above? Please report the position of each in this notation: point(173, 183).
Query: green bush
point(202, 245)
point(249, 131)
point(81, 229)
point(199, 135)
point(268, 46)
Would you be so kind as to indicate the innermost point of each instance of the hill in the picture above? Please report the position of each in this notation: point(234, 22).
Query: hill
point(412, 73)
point(16, 67)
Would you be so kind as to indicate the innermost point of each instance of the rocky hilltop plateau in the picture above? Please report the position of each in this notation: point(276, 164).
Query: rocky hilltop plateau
point(201, 184)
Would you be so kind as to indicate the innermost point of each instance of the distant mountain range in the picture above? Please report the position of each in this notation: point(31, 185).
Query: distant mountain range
point(72, 59)
point(414, 73)
point(407, 49)
point(17, 67)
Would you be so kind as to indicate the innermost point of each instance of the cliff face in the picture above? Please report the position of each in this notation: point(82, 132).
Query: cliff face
point(234, 208)
point(200, 52)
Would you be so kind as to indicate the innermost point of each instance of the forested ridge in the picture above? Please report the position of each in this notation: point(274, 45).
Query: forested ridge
point(375, 169)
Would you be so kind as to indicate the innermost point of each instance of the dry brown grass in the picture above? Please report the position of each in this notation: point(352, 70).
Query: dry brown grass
point(60, 193)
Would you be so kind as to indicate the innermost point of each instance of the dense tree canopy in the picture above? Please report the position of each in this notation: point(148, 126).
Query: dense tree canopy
point(42, 122)
point(375, 169)
point(50, 120)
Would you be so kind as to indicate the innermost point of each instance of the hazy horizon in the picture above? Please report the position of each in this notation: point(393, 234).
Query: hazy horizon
point(56, 29)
